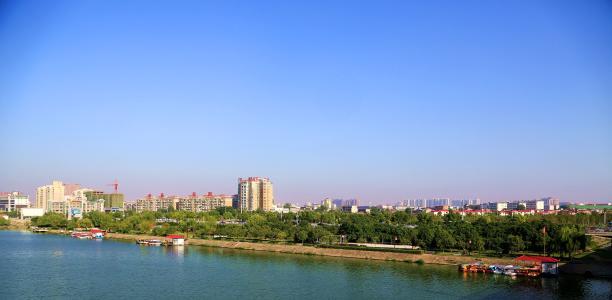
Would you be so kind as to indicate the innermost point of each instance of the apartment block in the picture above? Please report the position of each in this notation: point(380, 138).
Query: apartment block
point(206, 202)
point(255, 193)
point(13, 201)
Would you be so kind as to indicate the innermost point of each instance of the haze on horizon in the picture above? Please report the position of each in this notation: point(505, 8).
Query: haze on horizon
point(381, 100)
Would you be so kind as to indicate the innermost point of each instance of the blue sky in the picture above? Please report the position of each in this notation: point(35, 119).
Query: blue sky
point(378, 100)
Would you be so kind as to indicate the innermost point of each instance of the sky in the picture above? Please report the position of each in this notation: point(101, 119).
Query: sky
point(377, 100)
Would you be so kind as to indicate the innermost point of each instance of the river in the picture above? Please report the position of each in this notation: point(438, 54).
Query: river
point(34, 266)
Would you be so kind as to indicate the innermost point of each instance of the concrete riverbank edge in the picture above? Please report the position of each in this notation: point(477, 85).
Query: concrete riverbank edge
point(331, 252)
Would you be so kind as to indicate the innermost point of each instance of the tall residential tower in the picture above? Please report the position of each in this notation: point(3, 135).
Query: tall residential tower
point(255, 193)
point(45, 195)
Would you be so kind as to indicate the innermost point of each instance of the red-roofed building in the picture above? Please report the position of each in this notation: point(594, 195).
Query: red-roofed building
point(176, 240)
point(547, 266)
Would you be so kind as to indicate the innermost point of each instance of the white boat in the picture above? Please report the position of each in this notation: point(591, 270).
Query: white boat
point(154, 242)
point(509, 270)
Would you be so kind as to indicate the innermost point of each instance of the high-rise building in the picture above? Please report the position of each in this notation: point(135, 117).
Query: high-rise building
point(13, 201)
point(438, 202)
point(255, 193)
point(112, 202)
point(46, 195)
point(327, 203)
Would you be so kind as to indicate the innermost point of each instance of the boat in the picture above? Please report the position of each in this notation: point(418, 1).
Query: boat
point(509, 270)
point(154, 242)
point(496, 269)
point(97, 233)
point(151, 242)
point(81, 235)
point(527, 266)
point(477, 267)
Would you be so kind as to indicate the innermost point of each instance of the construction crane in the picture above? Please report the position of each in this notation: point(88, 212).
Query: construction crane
point(115, 185)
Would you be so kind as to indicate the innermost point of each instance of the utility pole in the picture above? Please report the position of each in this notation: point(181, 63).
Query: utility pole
point(544, 233)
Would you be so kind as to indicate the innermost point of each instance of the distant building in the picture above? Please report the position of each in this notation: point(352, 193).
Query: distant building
point(461, 203)
point(48, 194)
point(78, 204)
point(112, 202)
point(416, 203)
point(206, 202)
point(551, 203)
point(352, 209)
point(327, 203)
point(495, 206)
point(13, 201)
point(69, 188)
point(517, 205)
point(352, 202)
point(155, 203)
point(438, 202)
point(345, 202)
point(255, 193)
point(535, 205)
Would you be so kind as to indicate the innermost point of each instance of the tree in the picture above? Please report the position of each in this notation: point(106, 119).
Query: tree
point(84, 223)
point(301, 234)
point(513, 243)
point(443, 239)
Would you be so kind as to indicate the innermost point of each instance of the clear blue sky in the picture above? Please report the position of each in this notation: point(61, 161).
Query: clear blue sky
point(378, 100)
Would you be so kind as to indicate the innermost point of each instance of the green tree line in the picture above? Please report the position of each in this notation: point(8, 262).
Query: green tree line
point(562, 234)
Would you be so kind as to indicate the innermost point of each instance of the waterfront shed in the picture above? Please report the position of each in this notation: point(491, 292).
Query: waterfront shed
point(548, 266)
point(176, 240)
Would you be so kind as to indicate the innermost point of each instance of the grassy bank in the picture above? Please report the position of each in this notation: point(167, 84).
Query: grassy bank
point(334, 252)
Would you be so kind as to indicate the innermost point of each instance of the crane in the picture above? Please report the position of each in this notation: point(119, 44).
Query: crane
point(115, 185)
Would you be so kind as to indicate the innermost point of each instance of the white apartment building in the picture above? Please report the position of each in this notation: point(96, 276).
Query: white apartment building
point(13, 201)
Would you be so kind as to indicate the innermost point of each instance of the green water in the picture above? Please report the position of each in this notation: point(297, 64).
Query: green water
point(37, 266)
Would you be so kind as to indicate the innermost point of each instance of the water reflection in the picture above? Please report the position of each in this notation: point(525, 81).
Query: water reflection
point(177, 251)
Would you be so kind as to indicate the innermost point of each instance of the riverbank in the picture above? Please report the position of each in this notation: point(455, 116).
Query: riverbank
point(311, 250)
point(17, 224)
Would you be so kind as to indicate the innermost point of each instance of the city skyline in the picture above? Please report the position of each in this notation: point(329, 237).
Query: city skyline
point(77, 186)
point(377, 102)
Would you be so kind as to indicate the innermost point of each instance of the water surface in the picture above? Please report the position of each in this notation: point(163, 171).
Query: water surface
point(51, 266)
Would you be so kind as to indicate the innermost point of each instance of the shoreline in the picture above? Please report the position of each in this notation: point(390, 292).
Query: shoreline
point(311, 250)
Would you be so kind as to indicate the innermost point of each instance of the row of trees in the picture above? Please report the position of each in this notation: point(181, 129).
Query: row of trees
point(497, 234)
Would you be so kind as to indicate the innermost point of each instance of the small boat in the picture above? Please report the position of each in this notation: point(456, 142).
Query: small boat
point(496, 269)
point(81, 235)
point(155, 242)
point(149, 242)
point(97, 233)
point(510, 270)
